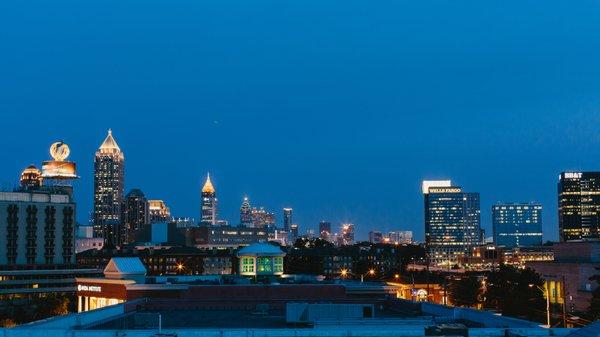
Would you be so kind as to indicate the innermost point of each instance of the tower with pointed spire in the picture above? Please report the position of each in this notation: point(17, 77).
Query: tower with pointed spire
point(208, 207)
point(109, 184)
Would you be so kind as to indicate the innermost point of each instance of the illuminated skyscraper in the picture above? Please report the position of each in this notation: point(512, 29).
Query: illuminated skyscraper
point(375, 237)
point(209, 204)
point(136, 215)
point(346, 235)
point(452, 221)
point(262, 218)
point(325, 230)
point(109, 183)
point(287, 219)
point(293, 233)
point(246, 213)
point(517, 225)
point(159, 212)
point(579, 206)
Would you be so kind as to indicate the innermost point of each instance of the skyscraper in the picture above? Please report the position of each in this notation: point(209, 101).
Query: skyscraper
point(287, 219)
point(246, 213)
point(375, 237)
point(159, 212)
point(109, 177)
point(579, 206)
point(209, 204)
point(261, 218)
point(517, 225)
point(136, 215)
point(293, 233)
point(325, 230)
point(347, 235)
point(452, 221)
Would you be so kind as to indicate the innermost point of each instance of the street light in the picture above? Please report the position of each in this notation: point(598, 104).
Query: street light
point(546, 292)
point(370, 272)
point(345, 272)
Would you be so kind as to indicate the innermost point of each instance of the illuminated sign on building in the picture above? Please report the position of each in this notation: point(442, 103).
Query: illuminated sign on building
point(95, 289)
point(573, 175)
point(444, 190)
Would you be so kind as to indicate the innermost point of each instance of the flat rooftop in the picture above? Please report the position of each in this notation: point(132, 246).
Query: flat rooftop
point(226, 319)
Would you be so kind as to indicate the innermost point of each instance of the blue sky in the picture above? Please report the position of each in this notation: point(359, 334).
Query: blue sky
point(335, 108)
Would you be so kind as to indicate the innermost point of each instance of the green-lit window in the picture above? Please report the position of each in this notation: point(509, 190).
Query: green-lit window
point(278, 264)
point(263, 264)
point(247, 265)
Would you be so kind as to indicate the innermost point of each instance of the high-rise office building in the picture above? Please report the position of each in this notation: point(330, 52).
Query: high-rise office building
point(579, 206)
point(517, 225)
point(159, 212)
point(209, 204)
point(262, 218)
point(109, 178)
point(399, 237)
point(346, 236)
point(325, 230)
point(136, 215)
point(246, 213)
point(452, 222)
point(293, 233)
point(287, 219)
point(375, 237)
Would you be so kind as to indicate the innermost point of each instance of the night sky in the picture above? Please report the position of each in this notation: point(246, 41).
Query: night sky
point(336, 108)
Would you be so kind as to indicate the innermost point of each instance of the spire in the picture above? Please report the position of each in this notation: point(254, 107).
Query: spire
point(109, 143)
point(208, 186)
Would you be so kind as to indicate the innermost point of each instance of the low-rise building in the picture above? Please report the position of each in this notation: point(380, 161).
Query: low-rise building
point(568, 276)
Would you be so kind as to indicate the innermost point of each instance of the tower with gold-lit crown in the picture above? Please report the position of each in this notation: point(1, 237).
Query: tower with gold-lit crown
point(208, 207)
point(109, 183)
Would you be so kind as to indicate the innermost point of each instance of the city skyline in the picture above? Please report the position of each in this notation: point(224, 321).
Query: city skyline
point(336, 111)
point(337, 222)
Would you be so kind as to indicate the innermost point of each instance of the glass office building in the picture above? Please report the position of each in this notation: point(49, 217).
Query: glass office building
point(517, 224)
point(579, 206)
point(452, 222)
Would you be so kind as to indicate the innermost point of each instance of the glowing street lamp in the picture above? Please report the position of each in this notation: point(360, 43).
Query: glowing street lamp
point(546, 292)
point(371, 272)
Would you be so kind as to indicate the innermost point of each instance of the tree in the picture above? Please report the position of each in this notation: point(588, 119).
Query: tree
point(594, 309)
point(515, 292)
point(52, 305)
point(309, 243)
point(464, 292)
point(7, 323)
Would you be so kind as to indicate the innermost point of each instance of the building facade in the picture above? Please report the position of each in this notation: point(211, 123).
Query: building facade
point(567, 277)
point(579, 206)
point(208, 208)
point(400, 237)
point(287, 219)
point(346, 236)
point(224, 236)
point(159, 212)
point(375, 237)
point(517, 225)
point(136, 215)
point(452, 223)
point(325, 230)
point(109, 184)
point(246, 213)
point(39, 229)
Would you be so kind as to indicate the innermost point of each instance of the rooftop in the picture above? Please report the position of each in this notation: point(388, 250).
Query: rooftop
point(261, 249)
